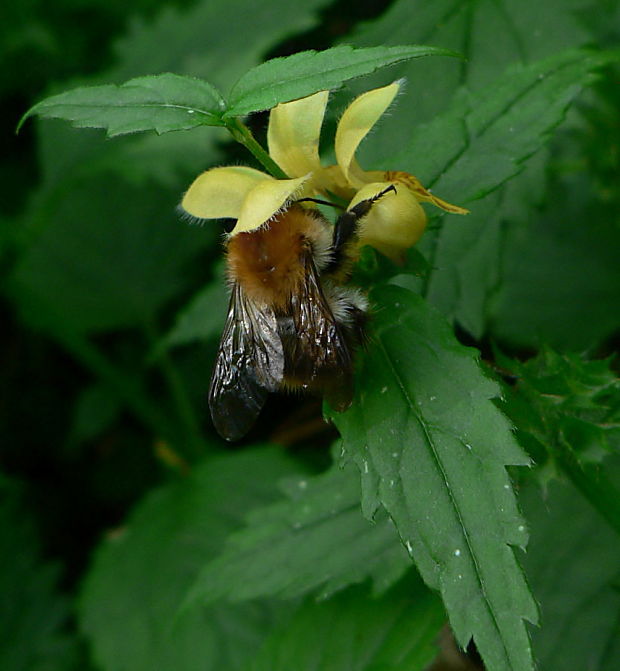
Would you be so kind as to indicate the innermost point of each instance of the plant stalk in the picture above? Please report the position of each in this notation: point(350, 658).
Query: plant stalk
point(242, 134)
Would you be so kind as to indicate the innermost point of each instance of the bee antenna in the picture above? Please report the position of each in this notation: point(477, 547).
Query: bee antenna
point(318, 201)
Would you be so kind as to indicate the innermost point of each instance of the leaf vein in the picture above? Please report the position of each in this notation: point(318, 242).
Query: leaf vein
point(455, 506)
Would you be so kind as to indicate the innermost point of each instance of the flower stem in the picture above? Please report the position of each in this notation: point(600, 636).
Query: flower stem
point(242, 134)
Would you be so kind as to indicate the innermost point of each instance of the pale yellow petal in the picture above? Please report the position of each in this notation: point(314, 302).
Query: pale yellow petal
point(395, 222)
point(415, 186)
point(220, 192)
point(266, 199)
point(334, 181)
point(293, 134)
point(356, 122)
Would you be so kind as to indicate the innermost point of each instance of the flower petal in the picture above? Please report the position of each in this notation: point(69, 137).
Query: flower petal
point(415, 186)
point(293, 134)
point(266, 199)
point(356, 122)
point(220, 192)
point(395, 222)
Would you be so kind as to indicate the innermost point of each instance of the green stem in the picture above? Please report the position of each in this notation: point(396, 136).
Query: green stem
point(178, 393)
point(242, 134)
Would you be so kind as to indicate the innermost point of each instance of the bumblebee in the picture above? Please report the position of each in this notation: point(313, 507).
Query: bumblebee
point(291, 324)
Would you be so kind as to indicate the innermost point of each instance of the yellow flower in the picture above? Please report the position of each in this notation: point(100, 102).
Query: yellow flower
point(395, 221)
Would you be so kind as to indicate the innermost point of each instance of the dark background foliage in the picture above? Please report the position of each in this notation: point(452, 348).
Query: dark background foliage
point(106, 345)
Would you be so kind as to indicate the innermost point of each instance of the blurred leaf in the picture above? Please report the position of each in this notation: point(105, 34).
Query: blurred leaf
point(560, 279)
point(95, 410)
point(213, 39)
point(110, 256)
point(471, 150)
point(33, 615)
point(500, 126)
point(203, 317)
point(302, 74)
point(353, 632)
point(462, 284)
point(161, 103)
point(529, 32)
point(142, 571)
point(573, 564)
point(317, 538)
point(432, 450)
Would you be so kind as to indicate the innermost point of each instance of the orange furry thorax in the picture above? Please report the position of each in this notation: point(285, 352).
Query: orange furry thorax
point(268, 262)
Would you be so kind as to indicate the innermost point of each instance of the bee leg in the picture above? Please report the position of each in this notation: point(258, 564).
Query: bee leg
point(346, 227)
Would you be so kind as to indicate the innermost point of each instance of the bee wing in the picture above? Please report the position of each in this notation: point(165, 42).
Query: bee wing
point(249, 364)
point(319, 352)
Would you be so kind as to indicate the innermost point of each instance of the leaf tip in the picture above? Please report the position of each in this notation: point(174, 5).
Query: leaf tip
point(23, 119)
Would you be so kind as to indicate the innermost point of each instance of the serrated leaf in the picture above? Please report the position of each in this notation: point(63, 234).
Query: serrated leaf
point(432, 449)
point(353, 632)
point(142, 571)
point(318, 539)
point(570, 403)
point(33, 614)
point(501, 125)
point(573, 563)
point(283, 79)
point(529, 32)
point(162, 103)
point(197, 40)
point(473, 149)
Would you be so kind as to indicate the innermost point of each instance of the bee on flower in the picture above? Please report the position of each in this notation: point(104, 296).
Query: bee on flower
point(292, 323)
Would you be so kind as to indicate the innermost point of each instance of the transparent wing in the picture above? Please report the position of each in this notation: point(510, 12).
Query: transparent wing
point(319, 354)
point(249, 364)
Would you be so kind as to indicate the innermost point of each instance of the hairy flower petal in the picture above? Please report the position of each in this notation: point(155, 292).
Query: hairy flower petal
point(266, 199)
point(422, 194)
point(220, 192)
point(395, 222)
point(293, 134)
point(356, 122)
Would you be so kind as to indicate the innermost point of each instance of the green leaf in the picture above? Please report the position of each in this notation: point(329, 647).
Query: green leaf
point(161, 103)
point(465, 280)
point(203, 317)
point(142, 571)
point(529, 31)
point(559, 264)
point(493, 131)
point(564, 401)
point(94, 411)
point(110, 256)
point(211, 39)
point(304, 73)
point(573, 564)
point(473, 149)
point(353, 632)
point(318, 539)
point(567, 413)
point(432, 449)
point(33, 614)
